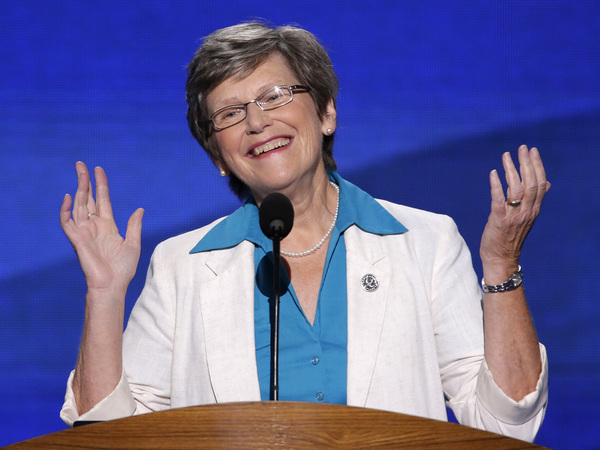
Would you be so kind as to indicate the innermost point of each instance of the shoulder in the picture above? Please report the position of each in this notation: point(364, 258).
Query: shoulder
point(429, 234)
point(419, 221)
point(433, 242)
point(182, 244)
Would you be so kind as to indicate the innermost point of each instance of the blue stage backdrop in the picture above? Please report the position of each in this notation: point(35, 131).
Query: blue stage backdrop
point(432, 93)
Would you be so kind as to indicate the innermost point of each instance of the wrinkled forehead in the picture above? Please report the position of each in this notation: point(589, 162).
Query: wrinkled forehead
point(245, 85)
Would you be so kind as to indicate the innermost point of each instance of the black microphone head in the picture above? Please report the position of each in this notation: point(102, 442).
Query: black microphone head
point(276, 215)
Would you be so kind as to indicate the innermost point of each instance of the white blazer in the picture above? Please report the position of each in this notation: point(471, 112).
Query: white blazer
point(416, 339)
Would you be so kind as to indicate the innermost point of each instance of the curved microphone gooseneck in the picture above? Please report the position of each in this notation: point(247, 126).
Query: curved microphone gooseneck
point(276, 217)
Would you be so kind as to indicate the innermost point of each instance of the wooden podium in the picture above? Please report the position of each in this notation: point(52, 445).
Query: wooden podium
point(272, 425)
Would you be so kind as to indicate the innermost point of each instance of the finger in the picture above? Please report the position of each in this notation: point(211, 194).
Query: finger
point(65, 219)
point(91, 205)
point(497, 194)
point(103, 205)
point(529, 177)
point(133, 235)
point(543, 185)
point(80, 204)
point(514, 191)
point(65, 210)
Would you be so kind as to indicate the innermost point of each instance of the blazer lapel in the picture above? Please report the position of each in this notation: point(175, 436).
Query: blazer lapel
point(366, 308)
point(228, 314)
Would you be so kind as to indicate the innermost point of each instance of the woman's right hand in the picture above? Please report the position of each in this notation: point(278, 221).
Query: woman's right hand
point(108, 261)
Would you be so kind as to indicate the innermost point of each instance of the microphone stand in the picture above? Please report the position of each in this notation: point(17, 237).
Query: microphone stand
point(276, 218)
point(275, 317)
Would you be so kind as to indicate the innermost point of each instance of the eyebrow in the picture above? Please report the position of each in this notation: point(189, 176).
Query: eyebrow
point(233, 101)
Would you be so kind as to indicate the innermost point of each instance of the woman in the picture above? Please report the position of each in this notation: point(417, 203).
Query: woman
point(381, 307)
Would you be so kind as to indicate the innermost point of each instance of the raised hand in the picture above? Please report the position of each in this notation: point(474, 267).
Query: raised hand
point(512, 350)
point(108, 261)
point(512, 218)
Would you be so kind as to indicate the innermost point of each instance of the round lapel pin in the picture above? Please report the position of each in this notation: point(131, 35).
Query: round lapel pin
point(369, 282)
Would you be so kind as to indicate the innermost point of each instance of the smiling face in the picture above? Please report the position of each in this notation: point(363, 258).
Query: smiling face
point(276, 150)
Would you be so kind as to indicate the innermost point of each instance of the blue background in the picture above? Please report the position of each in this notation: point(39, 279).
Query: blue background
point(432, 93)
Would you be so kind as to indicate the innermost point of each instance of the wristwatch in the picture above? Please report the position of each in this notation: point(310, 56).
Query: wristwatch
point(515, 280)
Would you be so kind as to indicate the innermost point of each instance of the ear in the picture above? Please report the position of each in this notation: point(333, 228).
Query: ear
point(329, 122)
point(223, 169)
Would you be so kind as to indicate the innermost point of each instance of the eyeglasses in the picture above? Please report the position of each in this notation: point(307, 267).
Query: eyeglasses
point(268, 100)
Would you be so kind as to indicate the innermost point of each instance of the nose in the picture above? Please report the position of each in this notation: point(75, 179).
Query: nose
point(256, 119)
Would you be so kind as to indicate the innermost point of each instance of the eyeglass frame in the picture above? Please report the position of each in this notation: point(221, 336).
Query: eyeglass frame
point(292, 88)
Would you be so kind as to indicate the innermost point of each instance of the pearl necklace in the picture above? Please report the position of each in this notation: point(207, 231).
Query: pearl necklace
point(324, 238)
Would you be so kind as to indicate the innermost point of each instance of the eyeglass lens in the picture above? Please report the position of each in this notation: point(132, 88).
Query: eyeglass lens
point(271, 99)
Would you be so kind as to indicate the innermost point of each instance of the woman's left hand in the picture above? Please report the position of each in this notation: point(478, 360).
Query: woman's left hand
point(512, 218)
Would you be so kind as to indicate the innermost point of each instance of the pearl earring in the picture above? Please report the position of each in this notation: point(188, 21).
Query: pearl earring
point(223, 173)
point(329, 131)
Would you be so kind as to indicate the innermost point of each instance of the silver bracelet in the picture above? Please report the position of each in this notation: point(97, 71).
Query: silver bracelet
point(515, 280)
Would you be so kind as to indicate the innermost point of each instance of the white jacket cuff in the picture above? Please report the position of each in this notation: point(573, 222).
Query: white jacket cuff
point(119, 403)
point(504, 408)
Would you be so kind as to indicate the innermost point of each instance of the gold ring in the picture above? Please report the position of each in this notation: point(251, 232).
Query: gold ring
point(513, 203)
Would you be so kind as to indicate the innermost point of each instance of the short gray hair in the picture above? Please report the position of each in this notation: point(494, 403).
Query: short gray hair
point(238, 50)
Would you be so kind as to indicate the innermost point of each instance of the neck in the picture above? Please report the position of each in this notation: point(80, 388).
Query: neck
point(314, 213)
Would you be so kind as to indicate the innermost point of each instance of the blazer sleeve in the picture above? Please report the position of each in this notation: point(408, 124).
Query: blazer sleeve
point(468, 384)
point(147, 350)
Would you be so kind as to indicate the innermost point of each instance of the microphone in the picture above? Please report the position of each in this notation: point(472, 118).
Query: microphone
point(276, 217)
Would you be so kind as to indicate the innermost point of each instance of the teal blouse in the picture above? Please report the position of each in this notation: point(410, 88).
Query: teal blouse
point(312, 358)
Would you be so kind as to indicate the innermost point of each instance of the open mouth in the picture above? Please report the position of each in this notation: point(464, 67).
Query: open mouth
point(270, 146)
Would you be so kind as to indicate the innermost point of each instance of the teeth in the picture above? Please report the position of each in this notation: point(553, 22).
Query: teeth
point(270, 146)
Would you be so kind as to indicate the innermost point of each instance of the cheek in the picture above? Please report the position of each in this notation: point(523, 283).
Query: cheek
point(215, 148)
point(310, 122)
point(316, 131)
point(226, 145)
